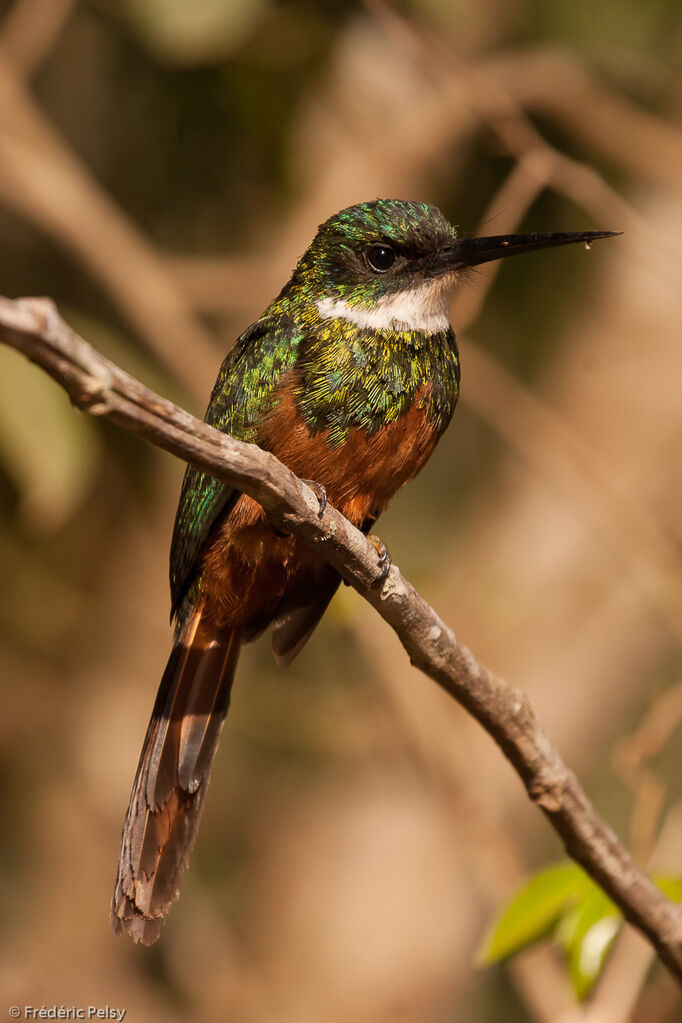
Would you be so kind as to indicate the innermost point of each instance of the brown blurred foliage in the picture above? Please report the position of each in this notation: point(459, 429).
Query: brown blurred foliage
point(162, 164)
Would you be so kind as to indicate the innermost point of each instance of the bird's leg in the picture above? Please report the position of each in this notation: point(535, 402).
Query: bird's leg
point(384, 558)
point(320, 493)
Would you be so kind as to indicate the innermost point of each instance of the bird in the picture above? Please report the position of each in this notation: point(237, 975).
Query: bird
point(349, 377)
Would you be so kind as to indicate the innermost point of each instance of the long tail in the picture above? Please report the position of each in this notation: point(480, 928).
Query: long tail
point(172, 777)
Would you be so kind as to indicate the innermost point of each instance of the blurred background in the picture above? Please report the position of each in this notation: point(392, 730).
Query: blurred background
point(162, 165)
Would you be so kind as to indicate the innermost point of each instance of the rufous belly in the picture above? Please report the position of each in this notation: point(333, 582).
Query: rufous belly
point(248, 567)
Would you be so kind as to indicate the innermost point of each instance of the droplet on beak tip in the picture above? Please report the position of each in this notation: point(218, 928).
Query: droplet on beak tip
point(588, 246)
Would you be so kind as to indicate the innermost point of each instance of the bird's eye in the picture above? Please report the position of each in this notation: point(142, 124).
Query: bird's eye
point(380, 257)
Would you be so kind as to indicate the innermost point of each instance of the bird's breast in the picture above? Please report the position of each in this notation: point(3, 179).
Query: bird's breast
point(362, 473)
point(249, 567)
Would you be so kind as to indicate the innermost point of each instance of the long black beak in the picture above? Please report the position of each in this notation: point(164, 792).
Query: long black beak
point(472, 251)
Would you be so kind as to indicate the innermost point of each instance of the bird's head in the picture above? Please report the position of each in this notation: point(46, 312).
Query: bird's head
point(391, 263)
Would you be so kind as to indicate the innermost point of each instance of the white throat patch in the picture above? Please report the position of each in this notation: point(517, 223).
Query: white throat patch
point(424, 308)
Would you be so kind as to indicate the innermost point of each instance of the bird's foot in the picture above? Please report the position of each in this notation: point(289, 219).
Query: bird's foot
point(384, 558)
point(320, 493)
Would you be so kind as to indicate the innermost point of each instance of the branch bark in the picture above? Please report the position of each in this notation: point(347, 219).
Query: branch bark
point(97, 386)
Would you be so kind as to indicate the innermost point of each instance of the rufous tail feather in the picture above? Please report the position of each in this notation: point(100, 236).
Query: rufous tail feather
point(172, 777)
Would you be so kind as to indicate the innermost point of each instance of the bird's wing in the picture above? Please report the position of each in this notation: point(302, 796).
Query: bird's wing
point(297, 619)
point(300, 614)
point(240, 399)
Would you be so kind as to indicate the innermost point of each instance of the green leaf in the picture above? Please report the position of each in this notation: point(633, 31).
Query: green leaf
point(587, 933)
point(670, 886)
point(534, 910)
point(587, 921)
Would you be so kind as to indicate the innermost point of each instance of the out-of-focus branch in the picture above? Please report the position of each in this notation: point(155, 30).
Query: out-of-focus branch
point(457, 99)
point(532, 429)
point(98, 386)
point(636, 139)
point(530, 174)
point(493, 861)
point(30, 31)
point(625, 974)
point(631, 759)
point(487, 91)
point(45, 182)
point(574, 469)
point(492, 392)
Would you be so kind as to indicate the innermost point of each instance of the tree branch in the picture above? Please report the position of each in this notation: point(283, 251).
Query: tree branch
point(34, 327)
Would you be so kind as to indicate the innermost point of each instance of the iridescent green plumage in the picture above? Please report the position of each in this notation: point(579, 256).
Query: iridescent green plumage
point(348, 376)
point(368, 378)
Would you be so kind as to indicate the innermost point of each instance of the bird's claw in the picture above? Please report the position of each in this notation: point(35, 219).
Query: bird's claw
point(320, 493)
point(384, 558)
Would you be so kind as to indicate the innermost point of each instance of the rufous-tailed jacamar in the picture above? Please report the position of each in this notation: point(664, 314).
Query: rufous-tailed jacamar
point(349, 377)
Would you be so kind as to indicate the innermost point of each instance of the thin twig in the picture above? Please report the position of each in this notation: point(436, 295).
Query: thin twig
point(631, 759)
point(34, 327)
